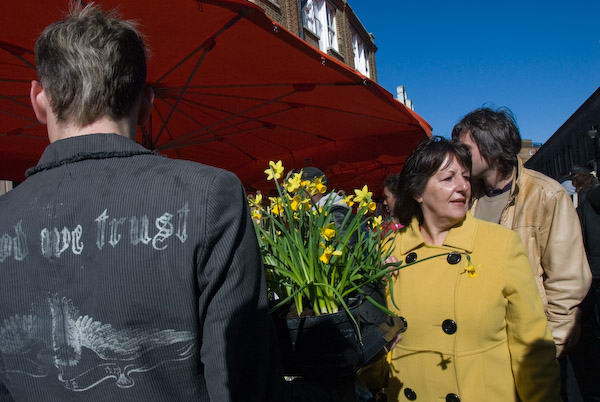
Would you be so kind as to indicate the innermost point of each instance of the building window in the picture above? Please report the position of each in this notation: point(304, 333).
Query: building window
point(319, 17)
point(332, 38)
point(361, 54)
point(308, 15)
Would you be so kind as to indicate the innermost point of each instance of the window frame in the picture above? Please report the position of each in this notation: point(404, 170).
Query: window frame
point(321, 21)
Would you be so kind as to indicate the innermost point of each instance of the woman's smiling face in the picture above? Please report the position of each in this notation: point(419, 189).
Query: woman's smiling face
point(445, 199)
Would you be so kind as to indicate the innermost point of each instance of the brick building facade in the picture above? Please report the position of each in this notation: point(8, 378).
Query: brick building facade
point(329, 25)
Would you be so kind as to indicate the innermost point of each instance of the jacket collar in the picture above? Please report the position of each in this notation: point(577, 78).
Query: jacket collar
point(460, 237)
point(518, 181)
point(91, 146)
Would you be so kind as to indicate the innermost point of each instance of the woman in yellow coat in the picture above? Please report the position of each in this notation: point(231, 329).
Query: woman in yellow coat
point(476, 329)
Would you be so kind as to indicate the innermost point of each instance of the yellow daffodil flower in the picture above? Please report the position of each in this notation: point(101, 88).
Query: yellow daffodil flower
point(293, 183)
point(470, 270)
point(319, 210)
point(319, 186)
point(377, 221)
point(349, 200)
point(276, 205)
point(363, 195)
point(255, 200)
point(296, 202)
point(275, 170)
point(256, 215)
point(371, 206)
point(328, 253)
point(328, 233)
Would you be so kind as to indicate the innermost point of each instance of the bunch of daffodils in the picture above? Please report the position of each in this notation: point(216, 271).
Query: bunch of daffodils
point(312, 262)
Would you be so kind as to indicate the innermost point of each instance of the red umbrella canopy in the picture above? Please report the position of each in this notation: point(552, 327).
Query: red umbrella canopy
point(233, 89)
point(346, 174)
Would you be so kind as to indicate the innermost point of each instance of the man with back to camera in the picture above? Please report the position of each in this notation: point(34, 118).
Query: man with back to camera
point(124, 276)
point(534, 206)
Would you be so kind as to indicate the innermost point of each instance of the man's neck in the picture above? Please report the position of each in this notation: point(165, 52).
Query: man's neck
point(493, 180)
point(62, 130)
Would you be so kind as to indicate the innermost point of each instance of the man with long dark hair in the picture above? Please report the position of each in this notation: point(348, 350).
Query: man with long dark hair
point(534, 206)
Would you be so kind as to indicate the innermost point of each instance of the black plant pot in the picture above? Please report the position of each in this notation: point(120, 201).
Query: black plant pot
point(329, 346)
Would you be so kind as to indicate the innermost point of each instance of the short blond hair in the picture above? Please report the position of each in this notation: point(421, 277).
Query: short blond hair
point(91, 64)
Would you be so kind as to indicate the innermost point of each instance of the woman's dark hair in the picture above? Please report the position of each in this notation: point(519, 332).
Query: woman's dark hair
point(391, 182)
point(496, 134)
point(427, 159)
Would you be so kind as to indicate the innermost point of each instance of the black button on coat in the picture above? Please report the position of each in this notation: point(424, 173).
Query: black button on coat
point(410, 394)
point(453, 258)
point(411, 257)
point(452, 398)
point(449, 326)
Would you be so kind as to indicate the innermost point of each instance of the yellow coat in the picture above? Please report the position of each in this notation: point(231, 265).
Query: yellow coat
point(481, 338)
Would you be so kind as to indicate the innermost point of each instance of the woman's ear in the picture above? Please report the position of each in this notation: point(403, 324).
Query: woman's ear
point(39, 102)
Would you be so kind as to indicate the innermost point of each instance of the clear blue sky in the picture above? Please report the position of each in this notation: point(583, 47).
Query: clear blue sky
point(539, 58)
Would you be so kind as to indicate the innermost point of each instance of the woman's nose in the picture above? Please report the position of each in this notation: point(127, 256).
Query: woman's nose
point(463, 184)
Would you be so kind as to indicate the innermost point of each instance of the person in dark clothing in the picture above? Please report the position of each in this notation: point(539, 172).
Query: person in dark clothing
point(593, 198)
point(586, 355)
point(124, 275)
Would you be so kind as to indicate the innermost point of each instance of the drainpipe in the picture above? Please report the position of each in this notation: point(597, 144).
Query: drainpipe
point(300, 20)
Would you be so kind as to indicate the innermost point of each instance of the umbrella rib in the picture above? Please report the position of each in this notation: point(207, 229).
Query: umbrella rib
point(239, 149)
point(305, 104)
point(230, 117)
point(2, 79)
point(187, 115)
point(198, 104)
point(249, 119)
point(219, 138)
point(215, 138)
point(162, 120)
point(5, 46)
point(256, 119)
point(180, 95)
point(207, 46)
point(225, 27)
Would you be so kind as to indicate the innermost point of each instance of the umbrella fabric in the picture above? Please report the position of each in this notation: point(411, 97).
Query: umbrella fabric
point(233, 90)
point(346, 174)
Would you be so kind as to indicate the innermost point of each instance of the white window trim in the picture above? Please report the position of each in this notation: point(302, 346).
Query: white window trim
point(315, 18)
point(361, 54)
point(331, 27)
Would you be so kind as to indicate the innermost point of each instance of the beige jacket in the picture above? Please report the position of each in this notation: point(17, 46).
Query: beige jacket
point(541, 212)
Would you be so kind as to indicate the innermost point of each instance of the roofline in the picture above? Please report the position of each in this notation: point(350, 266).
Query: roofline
point(358, 24)
point(557, 134)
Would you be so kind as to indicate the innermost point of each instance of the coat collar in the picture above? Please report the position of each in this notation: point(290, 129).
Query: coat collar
point(459, 237)
point(91, 146)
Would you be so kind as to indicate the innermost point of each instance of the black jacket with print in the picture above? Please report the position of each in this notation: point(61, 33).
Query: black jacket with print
point(127, 276)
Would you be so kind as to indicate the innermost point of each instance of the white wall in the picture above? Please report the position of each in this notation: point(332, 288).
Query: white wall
point(5, 186)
